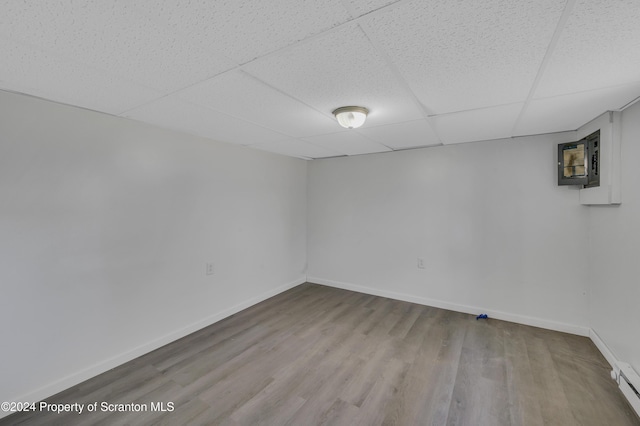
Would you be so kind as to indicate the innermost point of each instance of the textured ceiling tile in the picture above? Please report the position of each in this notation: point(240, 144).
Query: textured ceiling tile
point(411, 134)
point(242, 96)
point(468, 54)
point(246, 29)
point(297, 148)
point(568, 112)
point(111, 36)
point(477, 125)
point(37, 73)
point(459, 55)
point(338, 69)
point(599, 47)
point(362, 7)
point(348, 142)
point(173, 113)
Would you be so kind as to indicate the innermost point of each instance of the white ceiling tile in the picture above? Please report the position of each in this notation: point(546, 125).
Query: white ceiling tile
point(338, 69)
point(173, 113)
point(37, 73)
point(568, 112)
point(362, 7)
point(468, 54)
point(410, 134)
point(238, 94)
point(297, 148)
point(348, 142)
point(111, 36)
point(261, 73)
point(244, 30)
point(477, 125)
point(599, 47)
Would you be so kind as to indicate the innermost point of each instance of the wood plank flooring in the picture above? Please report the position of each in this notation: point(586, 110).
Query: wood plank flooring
point(318, 355)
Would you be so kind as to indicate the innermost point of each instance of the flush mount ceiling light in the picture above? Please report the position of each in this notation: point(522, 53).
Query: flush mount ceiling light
point(351, 117)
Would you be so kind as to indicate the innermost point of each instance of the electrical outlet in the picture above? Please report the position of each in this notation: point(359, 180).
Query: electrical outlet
point(420, 263)
point(210, 269)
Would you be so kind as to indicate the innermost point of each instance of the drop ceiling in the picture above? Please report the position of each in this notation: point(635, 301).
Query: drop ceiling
point(267, 75)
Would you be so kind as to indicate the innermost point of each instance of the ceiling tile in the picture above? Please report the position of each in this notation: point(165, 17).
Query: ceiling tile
point(110, 36)
point(477, 125)
point(362, 7)
point(238, 94)
point(410, 134)
point(338, 69)
point(245, 30)
point(173, 113)
point(31, 71)
point(464, 54)
point(348, 142)
point(568, 112)
point(599, 47)
point(255, 73)
point(297, 148)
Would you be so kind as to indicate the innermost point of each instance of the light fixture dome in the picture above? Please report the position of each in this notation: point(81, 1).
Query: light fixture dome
point(351, 117)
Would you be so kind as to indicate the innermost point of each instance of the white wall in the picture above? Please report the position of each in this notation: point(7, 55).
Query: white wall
point(614, 263)
point(496, 232)
point(106, 225)
point(105, 228)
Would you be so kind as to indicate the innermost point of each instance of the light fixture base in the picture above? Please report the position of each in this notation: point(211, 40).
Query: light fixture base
point(351, 117)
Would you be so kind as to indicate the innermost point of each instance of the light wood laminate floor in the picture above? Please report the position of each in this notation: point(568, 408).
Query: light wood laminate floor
point(320, 355)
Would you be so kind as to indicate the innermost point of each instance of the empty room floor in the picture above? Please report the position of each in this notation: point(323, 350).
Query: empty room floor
point(320, 355)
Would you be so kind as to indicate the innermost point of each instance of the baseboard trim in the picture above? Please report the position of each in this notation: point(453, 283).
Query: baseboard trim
point(616, 366)
point(603, 348)
point(106, 365)
point(520, 319)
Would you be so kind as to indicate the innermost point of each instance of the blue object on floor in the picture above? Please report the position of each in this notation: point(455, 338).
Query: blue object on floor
point(482, 316)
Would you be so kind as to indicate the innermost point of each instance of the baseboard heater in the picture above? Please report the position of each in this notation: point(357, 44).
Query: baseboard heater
point(629, 383)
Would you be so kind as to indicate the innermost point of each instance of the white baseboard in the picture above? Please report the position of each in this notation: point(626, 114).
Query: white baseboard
point(103, 366)
point(520, 319)
point(106, 365)
point(603, 348)
point(620, 368)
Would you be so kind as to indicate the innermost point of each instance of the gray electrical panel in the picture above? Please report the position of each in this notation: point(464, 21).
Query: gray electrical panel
point(579, 162)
